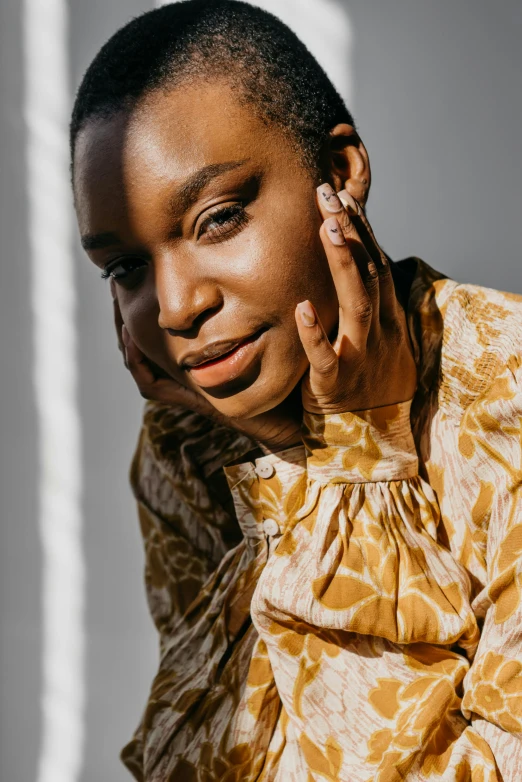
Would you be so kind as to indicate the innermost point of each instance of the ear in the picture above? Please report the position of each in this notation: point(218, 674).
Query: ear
point(346, 162)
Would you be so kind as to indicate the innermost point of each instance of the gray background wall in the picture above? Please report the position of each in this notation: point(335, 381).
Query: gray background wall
point(437, 98)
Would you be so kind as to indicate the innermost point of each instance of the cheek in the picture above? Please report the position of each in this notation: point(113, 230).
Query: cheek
point(303, 273)
point(291, 263)
point(140, 315)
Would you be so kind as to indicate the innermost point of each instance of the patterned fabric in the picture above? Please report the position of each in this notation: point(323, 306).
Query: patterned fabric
point(350, 609)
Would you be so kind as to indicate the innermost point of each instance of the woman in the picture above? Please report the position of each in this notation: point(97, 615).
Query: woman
point(328, 474)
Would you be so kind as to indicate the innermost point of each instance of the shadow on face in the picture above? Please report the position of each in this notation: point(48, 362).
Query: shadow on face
point(205, 217)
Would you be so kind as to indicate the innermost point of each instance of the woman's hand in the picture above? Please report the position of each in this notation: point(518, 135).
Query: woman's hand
point(276, 429)
point(370, 363)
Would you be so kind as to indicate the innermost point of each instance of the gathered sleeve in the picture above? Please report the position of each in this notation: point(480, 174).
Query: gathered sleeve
point(186, 517)
point(368, 619)
point(491, 441)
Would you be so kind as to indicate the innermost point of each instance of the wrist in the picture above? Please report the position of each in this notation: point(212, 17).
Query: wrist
point(361, 446)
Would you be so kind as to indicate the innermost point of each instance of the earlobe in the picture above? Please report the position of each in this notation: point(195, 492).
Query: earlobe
point(348, 162)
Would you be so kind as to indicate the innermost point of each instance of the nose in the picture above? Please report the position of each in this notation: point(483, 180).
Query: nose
point(185, 297)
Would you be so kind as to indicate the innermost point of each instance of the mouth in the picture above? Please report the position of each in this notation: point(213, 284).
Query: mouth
point(223, 362)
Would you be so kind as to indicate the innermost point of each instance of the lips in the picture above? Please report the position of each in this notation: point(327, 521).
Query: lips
point(210, 353)
point(222, 362)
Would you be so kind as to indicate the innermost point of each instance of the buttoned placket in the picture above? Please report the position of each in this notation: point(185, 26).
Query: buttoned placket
point(276, 473)
point(271, 523)
point(260, 510)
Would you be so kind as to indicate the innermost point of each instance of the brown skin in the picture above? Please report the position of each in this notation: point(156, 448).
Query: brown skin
point(198, 281)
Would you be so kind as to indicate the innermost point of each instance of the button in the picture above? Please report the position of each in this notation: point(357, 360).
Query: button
point(271, 527)
point(265, 470)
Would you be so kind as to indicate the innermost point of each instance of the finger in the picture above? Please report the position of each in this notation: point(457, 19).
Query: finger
point(387, 295)
point(364, 229)
point(346, 213)
point(389, 306)
point(324, 362)
point(372, 284)
point(370, 274)
point(154, 384)
point(137, 363)
point(328, 201)
point(355, 304)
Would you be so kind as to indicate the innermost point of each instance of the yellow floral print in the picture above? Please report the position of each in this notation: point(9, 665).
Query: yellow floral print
point(347, 610)
point(495, 691)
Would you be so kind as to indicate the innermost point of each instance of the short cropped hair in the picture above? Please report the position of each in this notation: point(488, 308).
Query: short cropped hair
point(263, 60)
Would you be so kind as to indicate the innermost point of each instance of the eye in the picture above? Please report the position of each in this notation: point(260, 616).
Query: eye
point(126, 271)
point(223, 223)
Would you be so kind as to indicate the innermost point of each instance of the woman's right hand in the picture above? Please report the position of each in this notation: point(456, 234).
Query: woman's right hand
point(275, 429)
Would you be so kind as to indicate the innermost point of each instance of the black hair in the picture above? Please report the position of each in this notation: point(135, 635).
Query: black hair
point(271, 69)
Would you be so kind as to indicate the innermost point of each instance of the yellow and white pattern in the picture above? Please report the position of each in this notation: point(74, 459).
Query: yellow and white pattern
point(350, 610)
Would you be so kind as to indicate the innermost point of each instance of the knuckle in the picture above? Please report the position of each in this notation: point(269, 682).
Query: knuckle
point(346, 224)
point(345, 262)
point(372, 280)
point(395, 331)
point(363, 311)
point(327, 367)
point(319, 338)
point(384, 270)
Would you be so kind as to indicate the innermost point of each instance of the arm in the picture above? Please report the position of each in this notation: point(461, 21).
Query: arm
point(360, 605)
point(358, 608)
point(359, 636)
point(185, 517)
point(493, 687)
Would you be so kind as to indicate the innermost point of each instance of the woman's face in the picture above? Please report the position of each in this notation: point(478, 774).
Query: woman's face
point(207, 220)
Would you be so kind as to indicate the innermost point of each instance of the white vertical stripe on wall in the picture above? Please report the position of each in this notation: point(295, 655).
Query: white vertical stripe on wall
point(324, 26)
point(52, 295)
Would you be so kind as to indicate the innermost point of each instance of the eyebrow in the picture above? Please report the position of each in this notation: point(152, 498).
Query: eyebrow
point(183, 199)
point(188, 193)
point(99, 241)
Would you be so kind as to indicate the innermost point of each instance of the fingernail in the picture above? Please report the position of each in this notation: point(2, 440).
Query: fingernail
point(348, 202)
point(333, 229)
point(306, 313)
point(328, 198)
point(125, 335)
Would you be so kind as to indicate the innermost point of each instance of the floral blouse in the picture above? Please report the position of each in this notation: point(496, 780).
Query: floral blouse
point(350, 608)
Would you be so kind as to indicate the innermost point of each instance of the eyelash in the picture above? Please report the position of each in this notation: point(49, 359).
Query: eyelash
point(237, 220)
point(234, 217)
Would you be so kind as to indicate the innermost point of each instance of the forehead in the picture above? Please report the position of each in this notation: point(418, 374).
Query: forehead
point(170, 135)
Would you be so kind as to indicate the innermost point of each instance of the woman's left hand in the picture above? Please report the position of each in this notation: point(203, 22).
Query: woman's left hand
point(370, 363)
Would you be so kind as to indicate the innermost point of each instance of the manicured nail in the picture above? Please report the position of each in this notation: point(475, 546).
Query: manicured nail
point(328, 198)
point(348, 201)
point(306, 313)
point(333, 229)
point(125, 335)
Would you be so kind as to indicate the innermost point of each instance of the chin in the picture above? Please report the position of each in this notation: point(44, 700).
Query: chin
point(260, 397)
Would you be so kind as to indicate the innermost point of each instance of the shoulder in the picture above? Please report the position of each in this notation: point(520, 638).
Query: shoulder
point(164, 430)
point(482, 341)
point(179, 448)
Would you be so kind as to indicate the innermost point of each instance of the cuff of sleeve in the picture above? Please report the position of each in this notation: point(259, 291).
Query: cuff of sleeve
point(361, 447)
